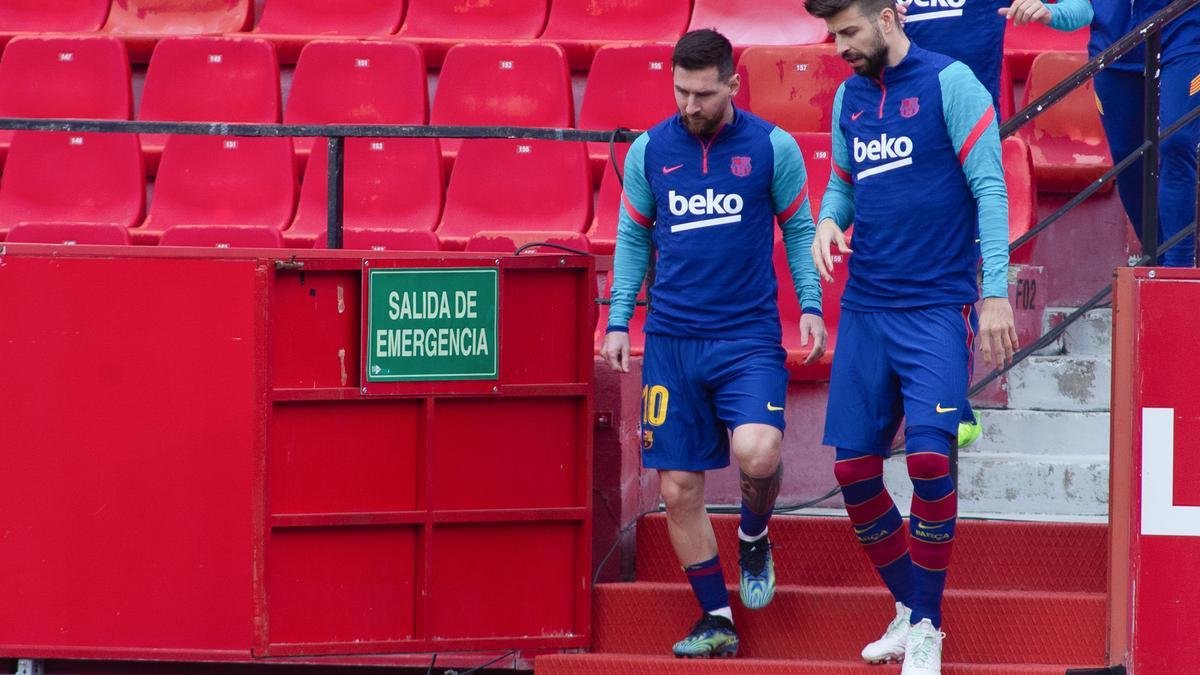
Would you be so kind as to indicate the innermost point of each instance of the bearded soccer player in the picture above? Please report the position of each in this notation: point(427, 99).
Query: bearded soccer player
point(706, 186)
point(917, 171)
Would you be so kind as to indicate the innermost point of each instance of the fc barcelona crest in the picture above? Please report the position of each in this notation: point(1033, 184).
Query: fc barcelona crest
point(740, 167)
point(909, 107)
point(647, 439)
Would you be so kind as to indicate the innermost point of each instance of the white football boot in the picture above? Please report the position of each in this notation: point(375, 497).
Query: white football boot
point(923, 654)
point(890, 647)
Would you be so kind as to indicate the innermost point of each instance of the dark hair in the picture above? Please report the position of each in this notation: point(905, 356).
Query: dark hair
point(823, 9)
point(704, 48)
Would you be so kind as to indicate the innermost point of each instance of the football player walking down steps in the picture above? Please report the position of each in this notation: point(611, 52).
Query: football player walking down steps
point(706, 186)
point(917, 170)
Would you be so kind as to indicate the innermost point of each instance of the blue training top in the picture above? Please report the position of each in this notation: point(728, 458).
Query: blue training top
point(917, 171)
point(711, 206)
point(1115, 18)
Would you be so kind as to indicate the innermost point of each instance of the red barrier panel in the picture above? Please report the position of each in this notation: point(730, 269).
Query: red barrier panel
point(198, 467)
point(1154, 507)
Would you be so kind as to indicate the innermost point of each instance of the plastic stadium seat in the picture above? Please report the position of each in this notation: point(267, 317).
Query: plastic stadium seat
point(818, 164)
point(59, 177)
point(209, 79)
point(69, 234)
point(438, 25)
point(498, 241)
point(603, 233)
point(503, 84)
point(583, 26)
point(760, 22)
point(357, 82)
point(1022, 194)
point(370, 239)
point(637, 336)
point(222, 236)
point(629, 86)
point(792, 86)
point(502, 184)
point(789, 315)
point(75, 77)
point(1022, 44)
point(141, 23)
point(209, 180)
point(292, 23)
point(57, 16)
point(1008, 103)
point(388, 183)
point(1068, 143)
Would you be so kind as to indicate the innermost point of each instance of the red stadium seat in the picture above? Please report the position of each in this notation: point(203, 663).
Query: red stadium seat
point(637, 336)
point(64, 76)
point(1022, 44)
point(209, 79)
point(603, 233)
point(222, 236)
point(70, 234)
point(760, 22)
point(52, 16)
point(498, 241)
point(142, 23)
point(503, 84)
point(60, 177)
point(793, 87)
point(629, 86)
point(789, 315)
point(438, 25)
point(583, 26)
point(1068, 143)
point(209, 180)
point(388, 183)
point(1008, 103)
point(501, 184)
point(357, 82)
point(290, 24)
point(1022, 194)
point(818, 164)
point(370, 239)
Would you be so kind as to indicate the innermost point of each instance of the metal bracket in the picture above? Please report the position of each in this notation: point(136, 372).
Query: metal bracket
point(292, 264)
point(31, 667)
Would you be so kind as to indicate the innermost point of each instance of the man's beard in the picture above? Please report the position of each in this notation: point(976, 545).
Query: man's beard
point(873, 61)
point(702, 126)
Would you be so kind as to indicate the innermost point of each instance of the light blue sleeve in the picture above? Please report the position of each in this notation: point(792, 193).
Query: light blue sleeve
point(632, 255)
point(838, 202)
point(1069, 15)
point(971, 120)
point(789, 192)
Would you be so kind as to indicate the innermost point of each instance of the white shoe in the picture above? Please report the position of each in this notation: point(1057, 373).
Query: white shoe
point(923, 654)
point(890, 647)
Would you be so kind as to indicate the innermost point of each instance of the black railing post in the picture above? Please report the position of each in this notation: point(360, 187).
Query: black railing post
point(336, 186)
point(1150, 166)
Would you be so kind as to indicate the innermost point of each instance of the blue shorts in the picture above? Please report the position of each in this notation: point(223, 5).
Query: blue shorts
point(694, 391)
point(893, 365)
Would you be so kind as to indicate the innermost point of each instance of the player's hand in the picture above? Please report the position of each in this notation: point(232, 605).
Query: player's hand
point(1026, 11)
point(828, 233)
point(616, 351)
point(902, 9)
point(998, 332)
point(813, 326)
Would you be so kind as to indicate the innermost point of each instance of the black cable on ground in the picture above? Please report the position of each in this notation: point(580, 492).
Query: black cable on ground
point(476, 669)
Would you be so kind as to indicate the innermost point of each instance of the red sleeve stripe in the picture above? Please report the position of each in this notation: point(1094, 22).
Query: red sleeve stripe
point(790, 211)
point(980, 127)
point(840, 172)
point(634, 213)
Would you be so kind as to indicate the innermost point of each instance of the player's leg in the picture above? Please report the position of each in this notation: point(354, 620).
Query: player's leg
point(1177, 175)
point(1120, 94)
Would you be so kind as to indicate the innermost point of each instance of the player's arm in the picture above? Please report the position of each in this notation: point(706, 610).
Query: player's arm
point(789, 193)
point(632, 255)
point(971, 121)
point(837, 206)
point(1064, 15)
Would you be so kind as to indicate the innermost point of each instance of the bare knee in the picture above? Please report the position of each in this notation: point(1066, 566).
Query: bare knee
point(757, 448)
point(682, 490)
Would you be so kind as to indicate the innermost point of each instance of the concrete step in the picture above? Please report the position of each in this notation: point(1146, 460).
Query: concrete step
point(1037, 432)
point(1089, 336)
point(1069, 383)
point(636, 664)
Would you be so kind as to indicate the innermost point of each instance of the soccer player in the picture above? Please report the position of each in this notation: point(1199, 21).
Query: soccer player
point(917, 170)
point(706, 187)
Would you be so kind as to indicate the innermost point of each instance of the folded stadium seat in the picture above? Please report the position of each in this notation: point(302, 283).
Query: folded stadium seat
point(209, 79)
point(1022, 194)
point(504, 184)
point(581, 27)
point(357, 82)
point(290, 24)
point(59, 177)
point(222, 236)
point(211, 180)
point(637, 336)
point(499, 241)
point(1022, 44)
point(759, 22)
point(789, 314)
point(792, 86)
point(818, 164)
point(438, 25)
point(388, 183)
point(1008, 103)
point(526, 85)
point(51, 16)
point(142, 23)
point(630, 87)
point(1068, 143)
point(373, 239)
point(603, 232)
point(70, 234)
point(64, 76)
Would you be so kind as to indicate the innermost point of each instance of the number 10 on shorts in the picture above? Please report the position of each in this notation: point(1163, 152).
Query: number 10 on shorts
point(654, 405)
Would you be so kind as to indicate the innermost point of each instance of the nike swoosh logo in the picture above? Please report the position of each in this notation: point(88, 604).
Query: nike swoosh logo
point(923, 526)
point(672, 169)
point(774, 408)
point(855, 116)
point(942, 411)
